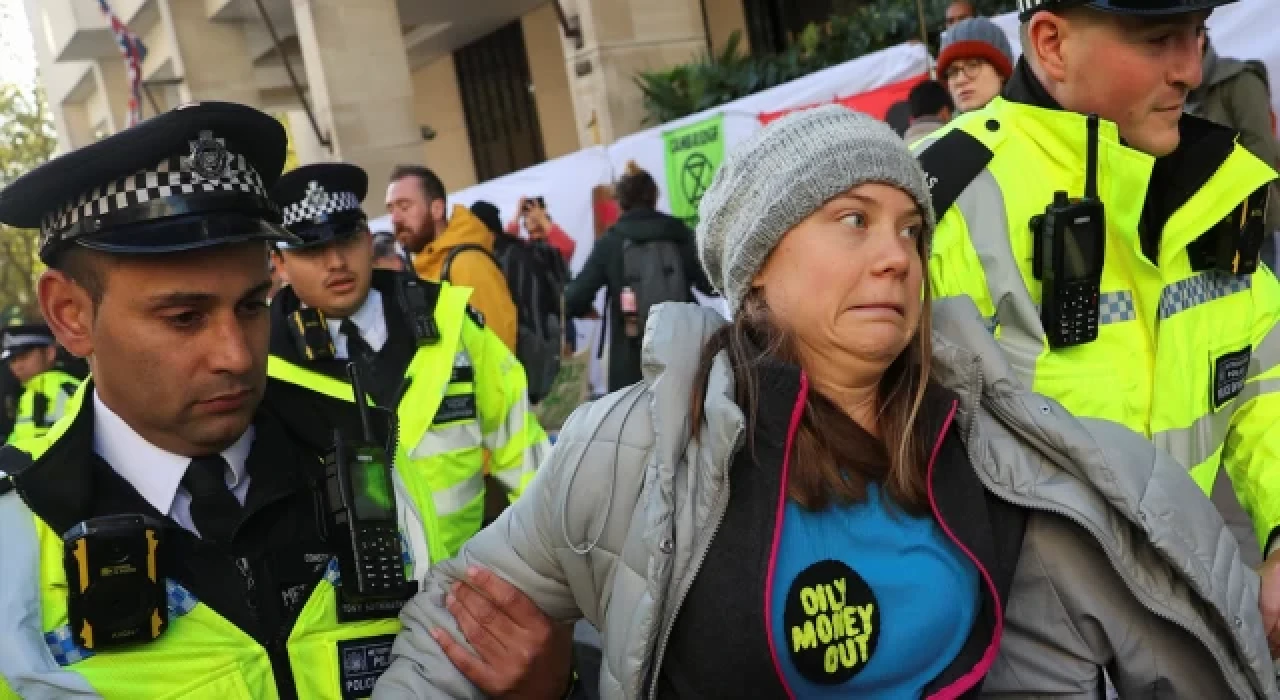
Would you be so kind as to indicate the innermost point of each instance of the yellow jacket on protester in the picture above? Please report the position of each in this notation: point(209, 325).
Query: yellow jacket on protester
point(490, 295)
point(43, 401)
point(1185, 355)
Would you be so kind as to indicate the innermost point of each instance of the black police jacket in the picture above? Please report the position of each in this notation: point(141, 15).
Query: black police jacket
point(279, 551)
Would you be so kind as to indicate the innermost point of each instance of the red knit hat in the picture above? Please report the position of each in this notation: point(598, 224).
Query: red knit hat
point(976, 38)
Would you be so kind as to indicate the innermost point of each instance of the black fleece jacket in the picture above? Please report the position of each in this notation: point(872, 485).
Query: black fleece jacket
point(719, 644)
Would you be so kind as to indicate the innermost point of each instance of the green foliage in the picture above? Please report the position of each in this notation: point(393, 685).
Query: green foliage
point(857, 28)
point(27, 139)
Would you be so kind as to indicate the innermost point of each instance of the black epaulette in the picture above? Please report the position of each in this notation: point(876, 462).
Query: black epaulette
point(950, 164)
point(13, 461)
point(474, 314)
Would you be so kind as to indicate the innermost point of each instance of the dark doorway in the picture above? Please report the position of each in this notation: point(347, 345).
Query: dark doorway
point(502, 119)
point(772, 24)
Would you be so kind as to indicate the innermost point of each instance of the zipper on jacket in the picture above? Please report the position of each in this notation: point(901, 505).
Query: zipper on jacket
point(722, 506)
point(250, 587)
point(1112, 557)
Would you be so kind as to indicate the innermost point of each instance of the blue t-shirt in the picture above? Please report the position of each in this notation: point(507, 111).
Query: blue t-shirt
point(868, 601)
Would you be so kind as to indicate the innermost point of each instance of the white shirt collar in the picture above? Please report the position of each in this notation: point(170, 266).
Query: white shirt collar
point(369, 319)
point(153, 472)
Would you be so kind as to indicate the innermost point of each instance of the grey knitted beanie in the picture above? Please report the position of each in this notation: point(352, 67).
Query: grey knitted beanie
point(785, 172)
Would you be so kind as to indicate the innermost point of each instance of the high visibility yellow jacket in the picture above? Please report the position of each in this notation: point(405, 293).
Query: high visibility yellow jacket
point(1185, 356)
point(43, 401)
point(201, 655)
point(463, 396)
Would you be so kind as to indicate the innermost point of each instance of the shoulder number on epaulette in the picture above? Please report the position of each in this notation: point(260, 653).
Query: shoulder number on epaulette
point(950, 164)
point(475, 315)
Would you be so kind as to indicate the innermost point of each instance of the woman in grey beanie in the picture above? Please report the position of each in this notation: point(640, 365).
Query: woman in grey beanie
point(895, 524)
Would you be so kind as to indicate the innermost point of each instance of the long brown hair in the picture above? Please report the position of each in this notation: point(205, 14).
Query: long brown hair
point(830, 463)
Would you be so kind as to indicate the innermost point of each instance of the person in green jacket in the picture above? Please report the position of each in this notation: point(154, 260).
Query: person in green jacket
point(32, 356)
point(640, 224)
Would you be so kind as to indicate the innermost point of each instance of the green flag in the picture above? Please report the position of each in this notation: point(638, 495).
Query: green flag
point(693, 155)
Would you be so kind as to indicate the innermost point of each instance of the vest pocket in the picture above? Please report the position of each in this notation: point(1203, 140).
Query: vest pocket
point(1108, 392)
point(1228, 368)
point(228, 686)
point(333, 660)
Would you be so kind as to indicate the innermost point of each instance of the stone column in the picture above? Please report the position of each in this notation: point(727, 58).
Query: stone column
point(214, 57)
point(620, 39)
point(114, 89)
point(358, 73)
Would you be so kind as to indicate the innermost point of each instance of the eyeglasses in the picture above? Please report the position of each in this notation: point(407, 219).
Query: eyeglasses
point(968, 66)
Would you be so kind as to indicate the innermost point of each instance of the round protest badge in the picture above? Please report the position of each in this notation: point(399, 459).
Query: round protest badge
point(832, 622)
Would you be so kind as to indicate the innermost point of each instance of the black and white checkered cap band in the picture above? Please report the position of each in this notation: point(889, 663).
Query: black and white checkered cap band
point(173, 177)
point(1025, 7)
point(318, 204)
point(26, 340)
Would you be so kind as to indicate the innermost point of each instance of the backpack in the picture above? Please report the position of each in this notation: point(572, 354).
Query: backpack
point(654, 271)
point(536, 276)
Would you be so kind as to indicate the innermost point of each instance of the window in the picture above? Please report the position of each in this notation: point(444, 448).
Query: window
point(497, 98)
point(771, 24)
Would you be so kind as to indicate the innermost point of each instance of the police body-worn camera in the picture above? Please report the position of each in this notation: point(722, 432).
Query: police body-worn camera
point(1234, 245)
point(1070, 241)
point(115, 581)
point(361, 505)
point(419, 303)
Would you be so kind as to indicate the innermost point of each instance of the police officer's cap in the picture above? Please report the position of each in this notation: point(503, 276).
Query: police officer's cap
point(320, 203)
point(17, 338)
point(190, 178)
point(1141, 8)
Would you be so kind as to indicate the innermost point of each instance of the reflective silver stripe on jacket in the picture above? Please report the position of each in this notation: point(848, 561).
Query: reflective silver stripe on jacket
point(26, 663)
point(1199, 441)
point(59, 408)
point(511, 428)
point(1021, 334)
point(455, 498)
point(413, 530)
point(457, 436)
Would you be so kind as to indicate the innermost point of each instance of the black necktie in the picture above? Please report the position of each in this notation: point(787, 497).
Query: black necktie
point(214, 509)
point(357, 349)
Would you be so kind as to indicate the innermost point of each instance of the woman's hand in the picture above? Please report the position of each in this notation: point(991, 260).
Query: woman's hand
point(522, 652)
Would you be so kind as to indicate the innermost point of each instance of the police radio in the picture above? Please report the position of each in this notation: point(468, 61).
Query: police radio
point(1070, 239)
point(362, 514)
point(115, 582)
point(310, 331)
point(419, 303)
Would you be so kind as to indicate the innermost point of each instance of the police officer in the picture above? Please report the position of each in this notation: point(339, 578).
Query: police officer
point(32, 355)
point(177, 536)
point(456, 388)
point(1135, 295)
point(10, 390)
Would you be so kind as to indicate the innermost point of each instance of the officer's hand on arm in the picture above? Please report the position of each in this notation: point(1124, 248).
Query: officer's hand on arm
point(1269, 600)
point(522, 652)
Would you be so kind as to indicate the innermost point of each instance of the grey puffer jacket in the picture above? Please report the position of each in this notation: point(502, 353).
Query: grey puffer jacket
point(1124, 563)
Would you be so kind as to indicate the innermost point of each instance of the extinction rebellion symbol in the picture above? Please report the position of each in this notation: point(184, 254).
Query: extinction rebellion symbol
point(695, 177)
